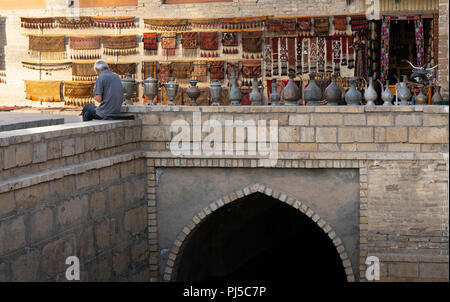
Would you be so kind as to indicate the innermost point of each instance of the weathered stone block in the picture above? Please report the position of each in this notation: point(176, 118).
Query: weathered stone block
point(24, 154)
point(106, 233)
point(12, 234)
point(298, 120)
point(307, 134)
point(62, 186)
point(326, 135)
point(55, 253)
point(109, 173)
point(433, 270)
point(31, 196)
point(380, 120)
point(121, 260)
point(72, 211)
point(135, 220)
point(115, 194)
point(101, 270)
point(409, 119)
point(9, 157)
point(355, 120)
point(39, 153)
point(404, 270)
point(87, 179)
point(428, 135)
point(288, 134)
point(97, 203)
point(140, 251)
point(54, 149)
point(41, 224)
point(355, 135)
point(435, 120)
point(127, 169)
point(68, 147)
point(87, 250)
point(391, 134)
point(25, 268)
point(156, 133)
point(324, 119)
point(7, 203)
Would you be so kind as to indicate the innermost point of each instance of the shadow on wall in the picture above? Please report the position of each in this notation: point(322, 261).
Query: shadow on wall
point(2, 43)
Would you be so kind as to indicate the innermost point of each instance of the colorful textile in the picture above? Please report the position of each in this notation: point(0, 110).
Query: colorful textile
point(209, 44)
point(351, 53)
point(230, 43)
point(304, 25)
point(189, 43)
point(199, 71)
point(83, 71)
point(252, 44)
point(385, 33)
point(151, 43)
point(73, 23)
point(344, 50)
point(204, 23)
point(299, 54)
point(43, 91)
point(275, 56)
point(321, 26)
point(274, 26)
point(329, 56)
point(47, 66)
point(268, 58)
point(36, 23)
point(166, 24)
point(123, 68)
point(50, 47)
point(164, 72)
point(243, 22)
point(149, 69)
point(305, 55)
point(359, 24)
point(251, 69)
point(84, 48)
point(283, 56)
point(321, 54)
point(78, 93)
point(313, 54)
point(361, 57)
point(291, 55)
point(289, 26)
point(418, 24)
point(119, 45)
point(340, 23)
point(181, 71)
point(235, 67)
point(216, 70)
point(337, 54)
point(114, 22)
point(169, 43)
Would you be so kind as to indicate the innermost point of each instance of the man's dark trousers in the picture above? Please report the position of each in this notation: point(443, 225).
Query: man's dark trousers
point(89, 113)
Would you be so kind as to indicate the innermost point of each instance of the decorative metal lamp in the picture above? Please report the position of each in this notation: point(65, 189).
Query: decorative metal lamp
point(171, 90)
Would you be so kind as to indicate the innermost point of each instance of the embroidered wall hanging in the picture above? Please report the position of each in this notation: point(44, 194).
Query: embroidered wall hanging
point(385, 33)
point(321, 54)
point(149, 69)
point(251, 69)
point(35, 23)
point(182, 71)
point(123, 68)
point(47, 66)
point(114, 22)
point(283, 56)
point(119, 45)
point(299, 54)
point(83, 71)
point(233, 66)
point(189, 42)
point(359, 24)
point(275, 57)
point(178, 100)
point(205, 23)
point(304, 25)
point(337, 54)
point(351, 55)
point(84, 48)
point(243, 23)
point(50, 47)
point(169, 43)
point(305, 55)
point(344, 50)
point(165, 70)
point(209, 44)
point(291, 54)
point(313, 55)
point(360, 47)
point(216, 70)
point(73, 23)
point(274, 26)
point(418, 24)
point(78, 93)
point(151, 43)
point(329, 57)
point(252, 45)
point(340, 24)
point(321, 26)
point(199, 71)
point(230, 43)
point(166, 24)
point(289, 26)
point(268, 58)
point(43, 91)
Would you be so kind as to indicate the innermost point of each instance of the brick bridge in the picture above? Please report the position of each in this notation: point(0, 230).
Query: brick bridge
point(349, 182)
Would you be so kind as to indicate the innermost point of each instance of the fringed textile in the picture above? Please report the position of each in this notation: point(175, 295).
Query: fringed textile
point(305, 55)
point(361, 57)
point(275, 71)
point(289, 26)
point(151, 43)
point(299, 54)
point(182, 71)
point(304, 25)
point(321, 54)
point(291, 54)
point(166, 24)
point(252, 45)
point(204, 23)
point(351, 54)
point(123, 68)
point(43, 91)
point(189, 42)
point(114, 22)
point(268, 58)
point(243, 23)
point(337, 54)
point(78, 93)
point(165, 70)
point(344, 51)
point(283, 56)
point(35, 23)
point(359, 24)
point(329, 56)
point(149, 69)
point(119, 45)
point(274, 26)
point(340, 24)
point(83, 71)
point(84, 48)
point(418, 24)
point(313, 55)
point(169, 44)
point(230, 43)
point(47, 66)
point(385, 33)
point(216, 70)
point(251, 69)
point(209, 44)
point(50, 47)
point(235, 67)
point(74, 22)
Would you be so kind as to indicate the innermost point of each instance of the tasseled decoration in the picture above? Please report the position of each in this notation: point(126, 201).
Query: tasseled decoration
point(275, 71)
point(299, 54)
point(189, 44)
point(337, 54)
point(313, 55)
point(36, 23)
point(268, 58)
point(344, 50)
point(351, 54)
point(305, 55)
point(321, 54)
point(114, 22)
point(283, 56)
point(85, 54)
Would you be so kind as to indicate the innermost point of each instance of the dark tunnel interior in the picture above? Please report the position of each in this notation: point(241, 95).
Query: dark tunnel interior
point(259, 238)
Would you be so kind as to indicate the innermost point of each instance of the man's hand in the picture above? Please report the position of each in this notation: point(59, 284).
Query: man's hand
point(98, 99)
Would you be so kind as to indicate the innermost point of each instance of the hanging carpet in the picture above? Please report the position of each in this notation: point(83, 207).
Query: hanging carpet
point(43, 91)
point(165, 70)
point(189, 43)
point(84, 48)
point(119, 45)
point(359, 24)
point(251, 69)
point(274, 26)
point(78, 93)
point(166, 24)
point(50, 47)
point(123, 68)
point(47, 66)
point(151, 43)
point(216, 70)
point(340, 24)
point(304, 25)
point(35, 23)
point(321, 26)
point(289, 26)
point(205, 23)
point(243, 23)
point(209, 44)
point(73, 23)
point(83, 71)
point(230, 43)
point(149, 69)
point(252, 44)
point(182, 71)
point(114, 22)
point(169, 44)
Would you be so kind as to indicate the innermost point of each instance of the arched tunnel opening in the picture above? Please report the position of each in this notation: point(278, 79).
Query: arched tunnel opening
point(259, 238)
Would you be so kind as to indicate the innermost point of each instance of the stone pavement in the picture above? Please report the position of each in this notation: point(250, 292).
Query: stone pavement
point(22, 120)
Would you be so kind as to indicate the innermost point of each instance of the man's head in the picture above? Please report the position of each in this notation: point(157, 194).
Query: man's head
point(100, 66)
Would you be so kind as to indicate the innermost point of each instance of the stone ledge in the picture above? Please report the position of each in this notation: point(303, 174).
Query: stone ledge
point(286, 109)
point(34, 179)
point(412, 258)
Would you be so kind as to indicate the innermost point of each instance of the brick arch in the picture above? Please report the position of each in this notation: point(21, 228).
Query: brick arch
point(176, 252)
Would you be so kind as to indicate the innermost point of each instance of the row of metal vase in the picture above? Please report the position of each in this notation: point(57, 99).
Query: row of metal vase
point(291, 93)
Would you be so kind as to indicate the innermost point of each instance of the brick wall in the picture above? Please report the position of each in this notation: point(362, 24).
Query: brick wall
point(73, 190)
